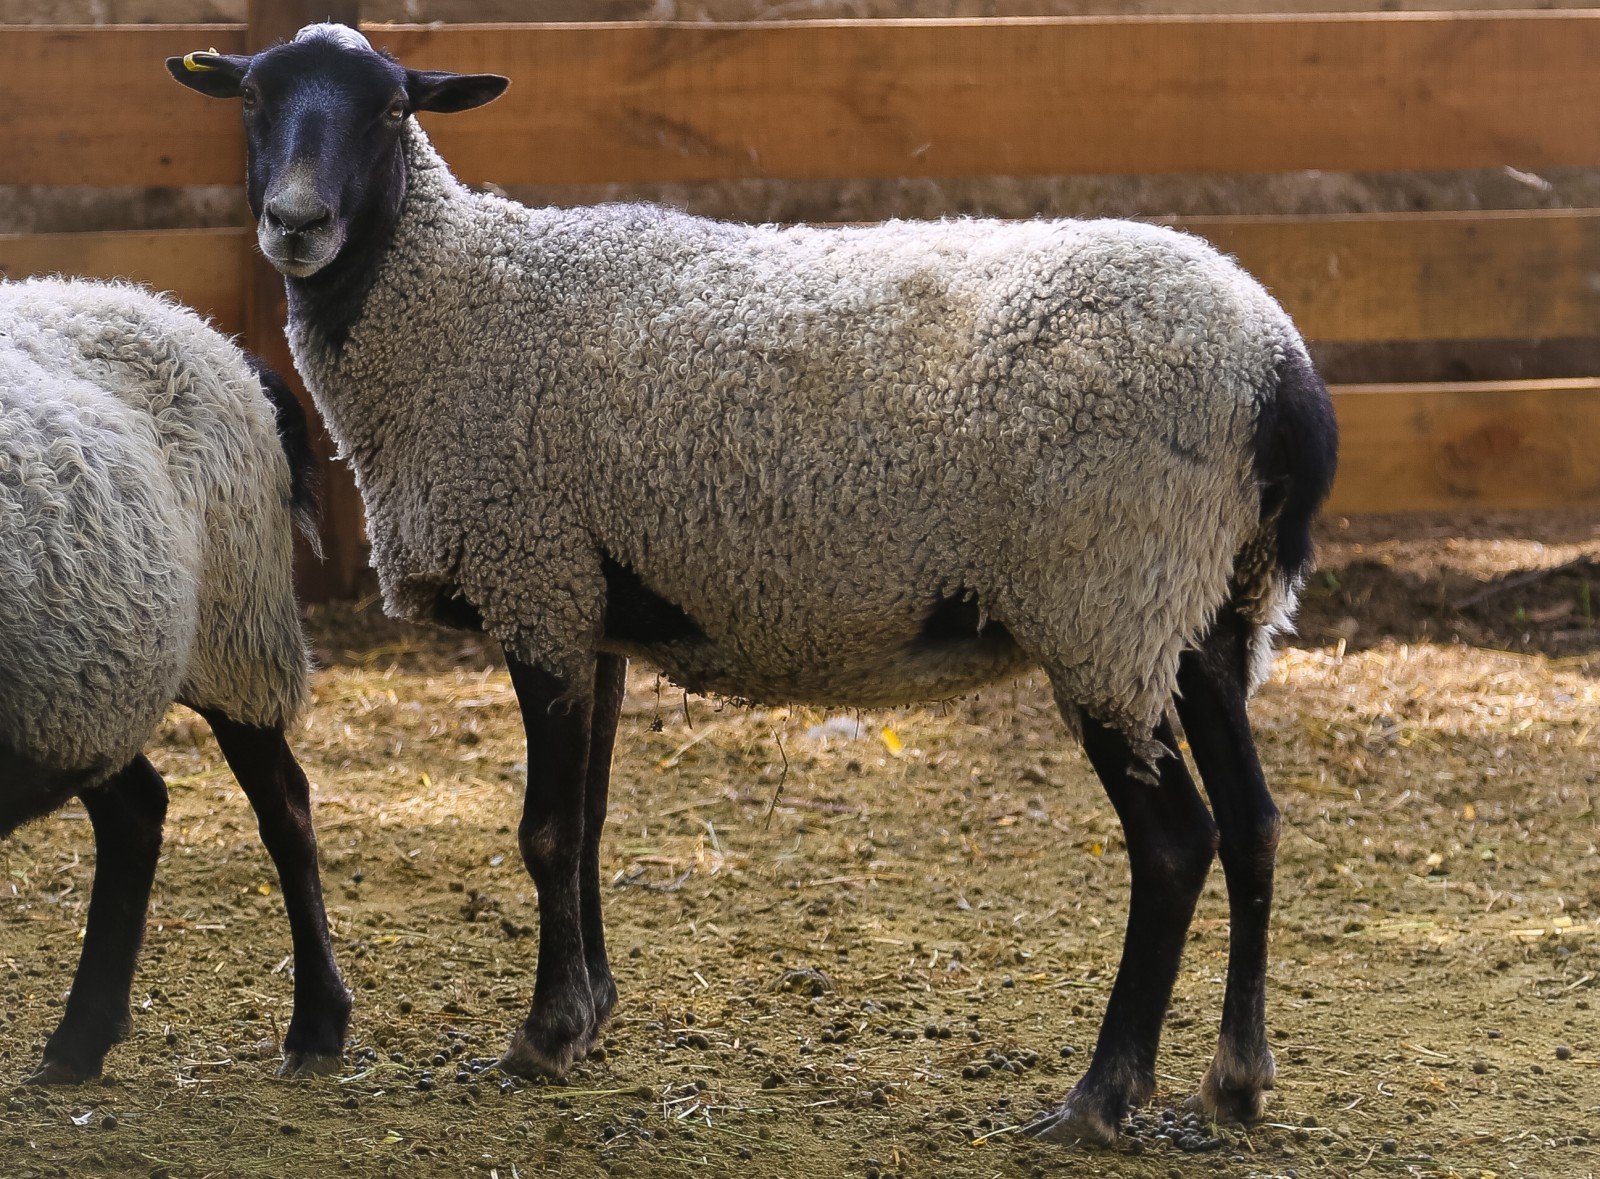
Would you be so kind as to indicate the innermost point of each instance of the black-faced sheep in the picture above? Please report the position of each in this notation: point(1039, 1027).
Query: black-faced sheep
point(842, 466)
point(148, 473)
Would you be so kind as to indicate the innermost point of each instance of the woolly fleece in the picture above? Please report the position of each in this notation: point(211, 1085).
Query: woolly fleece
point(807, 438)
point(144, 505)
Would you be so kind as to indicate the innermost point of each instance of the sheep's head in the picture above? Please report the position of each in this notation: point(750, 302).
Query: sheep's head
point(322, 116)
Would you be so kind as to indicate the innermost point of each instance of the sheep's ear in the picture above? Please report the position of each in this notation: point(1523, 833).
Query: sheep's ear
point(445, 93)
point(211, 73)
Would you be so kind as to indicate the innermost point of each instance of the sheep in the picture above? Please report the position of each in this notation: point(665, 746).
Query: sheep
point(861, 466)
point(148, 473)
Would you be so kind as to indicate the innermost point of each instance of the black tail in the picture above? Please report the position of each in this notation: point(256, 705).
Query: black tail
point(1296, 453)
point(294, 432)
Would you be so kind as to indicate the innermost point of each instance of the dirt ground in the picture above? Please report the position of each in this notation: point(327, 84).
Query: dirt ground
point(872, 946)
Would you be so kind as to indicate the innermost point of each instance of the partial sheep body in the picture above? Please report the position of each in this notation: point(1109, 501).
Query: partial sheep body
point(149, 472)
point(143, 493)
point(820, 445)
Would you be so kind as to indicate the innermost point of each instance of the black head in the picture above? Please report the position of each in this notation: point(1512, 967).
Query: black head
point(323, 115)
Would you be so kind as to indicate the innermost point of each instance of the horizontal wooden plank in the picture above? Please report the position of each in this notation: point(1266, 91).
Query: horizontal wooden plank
point(640, 102)
point(96, 106)
point(1501, 445)
point(205, 268)
point(545, 11)
point(1424, 276)
point(820, 99)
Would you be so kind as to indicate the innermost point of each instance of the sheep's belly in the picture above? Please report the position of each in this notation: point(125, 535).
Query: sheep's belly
point(897, 674)
point(853, 656)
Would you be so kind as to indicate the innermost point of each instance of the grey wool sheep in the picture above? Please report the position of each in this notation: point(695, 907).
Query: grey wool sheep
point(859, 466)
point(148, 473)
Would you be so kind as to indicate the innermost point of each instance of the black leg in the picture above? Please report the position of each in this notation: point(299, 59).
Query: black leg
point(560, 1028)
point(1171, 841)
point(611, 677)
point(1213, 689)
point(276, 786)
point(127, 813)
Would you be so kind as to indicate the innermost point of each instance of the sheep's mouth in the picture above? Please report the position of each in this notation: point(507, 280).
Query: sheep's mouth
point(299, 255)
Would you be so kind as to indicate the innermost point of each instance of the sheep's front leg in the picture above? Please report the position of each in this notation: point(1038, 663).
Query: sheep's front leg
point(560, 1028)
point(281, 797)
point(1171, 841)
point(127, 813)
point(611, 674)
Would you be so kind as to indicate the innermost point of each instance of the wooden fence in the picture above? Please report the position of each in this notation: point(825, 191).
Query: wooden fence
point(645, 102)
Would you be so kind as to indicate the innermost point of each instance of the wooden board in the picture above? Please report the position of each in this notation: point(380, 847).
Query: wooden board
point(96, 106)
point(819, 99)
point(1500, 445)
point(205, 268)
point(546, 11)
point(642, 102)
point(1424, 276)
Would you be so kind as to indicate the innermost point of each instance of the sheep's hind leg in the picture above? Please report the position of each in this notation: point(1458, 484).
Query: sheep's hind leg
point(276, 786)
point(560, 1028)
point(1212, 684)
point(611, 674)
point(127, 813)
point(1171, 840)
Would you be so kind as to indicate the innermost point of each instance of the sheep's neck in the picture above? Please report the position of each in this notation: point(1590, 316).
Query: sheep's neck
point(330, 301)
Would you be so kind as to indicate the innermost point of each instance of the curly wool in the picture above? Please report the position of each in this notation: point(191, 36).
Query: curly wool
point(144, 508)
point(808, 439)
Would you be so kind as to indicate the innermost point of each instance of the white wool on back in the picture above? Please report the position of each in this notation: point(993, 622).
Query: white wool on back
point(807, 439)
point(144, 509)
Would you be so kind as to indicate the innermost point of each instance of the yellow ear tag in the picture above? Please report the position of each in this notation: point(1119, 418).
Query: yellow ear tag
point(194, 67)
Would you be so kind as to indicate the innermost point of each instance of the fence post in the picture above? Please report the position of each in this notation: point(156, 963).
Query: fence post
point(343, 538)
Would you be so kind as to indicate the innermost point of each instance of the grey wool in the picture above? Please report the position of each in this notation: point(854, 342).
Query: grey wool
point(144, 511)
point(810, 442)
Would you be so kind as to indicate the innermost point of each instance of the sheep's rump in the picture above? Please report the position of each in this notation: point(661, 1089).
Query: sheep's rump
point(97, 565)
point(144, 547)
point(859, 466)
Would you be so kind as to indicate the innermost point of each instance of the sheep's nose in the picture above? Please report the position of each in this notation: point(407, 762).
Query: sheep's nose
point(298, 212)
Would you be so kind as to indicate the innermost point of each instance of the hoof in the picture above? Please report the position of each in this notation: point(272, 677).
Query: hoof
point(1080, 1119)
point(1234, 1091)
point(59, 1072)
point(532, 1055)
point(309, 1064)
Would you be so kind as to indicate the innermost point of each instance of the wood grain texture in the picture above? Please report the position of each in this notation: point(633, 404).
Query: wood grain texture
point(821, 99)
point(1501, 445)
point(641, 102)
point(1424, 276)
point(96, 106)
point(205, 268)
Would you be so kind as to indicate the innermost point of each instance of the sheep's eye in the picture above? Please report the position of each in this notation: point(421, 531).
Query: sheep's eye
point(248, 97)
point(396, 112)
